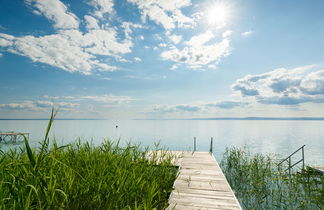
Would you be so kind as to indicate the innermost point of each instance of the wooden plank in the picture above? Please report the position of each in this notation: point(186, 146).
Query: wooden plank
point(185, 207)
point(203, 201)
point(204, 192)
point(201, 204)
point(190, 195)
point(179, 206)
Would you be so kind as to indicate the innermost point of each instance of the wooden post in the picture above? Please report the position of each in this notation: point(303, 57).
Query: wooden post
point(303, 158)
point(195, 144)
point(211, 145)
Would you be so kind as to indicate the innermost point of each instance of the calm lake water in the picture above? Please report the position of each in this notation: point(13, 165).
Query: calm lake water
point(276, 137)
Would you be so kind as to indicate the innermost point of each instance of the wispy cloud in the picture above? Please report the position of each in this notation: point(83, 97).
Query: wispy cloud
point(176, 108)
point(247, 33)
point(39, 105)
point(198, 106)
point(227, 104)
point(137, 59)
point(107, 99)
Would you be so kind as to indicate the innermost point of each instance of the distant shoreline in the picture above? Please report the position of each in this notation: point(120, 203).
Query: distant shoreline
point(216, 118)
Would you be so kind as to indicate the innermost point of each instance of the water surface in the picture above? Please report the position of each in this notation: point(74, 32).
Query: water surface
point(264, 136)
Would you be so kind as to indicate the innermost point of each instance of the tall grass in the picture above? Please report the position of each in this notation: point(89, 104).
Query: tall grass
point(81, 176)
point(259, 183)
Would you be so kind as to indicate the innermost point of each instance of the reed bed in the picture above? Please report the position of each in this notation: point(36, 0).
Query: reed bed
point(259, 183)
point(81, 176)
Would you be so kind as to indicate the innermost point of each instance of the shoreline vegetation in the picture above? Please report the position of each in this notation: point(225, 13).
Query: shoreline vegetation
point(81, 176)
point(259, 183)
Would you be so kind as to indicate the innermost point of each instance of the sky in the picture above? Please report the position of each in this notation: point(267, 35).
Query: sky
point(161, 59)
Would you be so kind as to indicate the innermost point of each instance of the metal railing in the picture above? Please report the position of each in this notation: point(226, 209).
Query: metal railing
point(210, 148)
point(290, 164)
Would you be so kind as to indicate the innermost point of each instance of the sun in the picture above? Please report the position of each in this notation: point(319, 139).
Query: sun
point(217, 14)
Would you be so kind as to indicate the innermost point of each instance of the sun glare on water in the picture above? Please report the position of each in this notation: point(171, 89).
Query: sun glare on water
point(217, 14)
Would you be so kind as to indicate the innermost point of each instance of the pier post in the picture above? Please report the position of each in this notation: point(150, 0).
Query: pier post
point(211, 145)
point(303, 158)
point(195, 144)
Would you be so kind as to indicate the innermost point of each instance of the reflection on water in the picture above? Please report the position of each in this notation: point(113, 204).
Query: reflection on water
point(281, 137)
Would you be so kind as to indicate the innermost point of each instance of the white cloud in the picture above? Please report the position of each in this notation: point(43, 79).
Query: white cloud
point(199, 40)
point(91, 22)
point(123, 60)
point(106, 78)
point(166, 13)
point(128, 28)
point(60, 105)
point(55, 11)
point(108, 99)
point(6, 40)
point(200, 50)
point(176, 108)
point(50, 97)
point(247, 33)
point(226, 104)
point(141, 37)
point(137, 59)
point(39, 106)
point(27, 105)
point(284, 86)
point(158, 37)
point(102, 7)
point(162, 45)
point(212, 66)
point(227, 34)
point(198, 107)
point(174, 66)
point(176, 39)
point(70, 50)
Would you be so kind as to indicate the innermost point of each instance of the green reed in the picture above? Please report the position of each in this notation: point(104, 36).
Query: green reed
point(259, 183)
point(81, 176)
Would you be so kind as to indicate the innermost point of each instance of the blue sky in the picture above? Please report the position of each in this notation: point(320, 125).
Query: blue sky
point(161, 59)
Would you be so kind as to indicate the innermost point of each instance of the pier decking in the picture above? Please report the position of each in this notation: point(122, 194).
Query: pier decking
point(12, 137)
point(318, 169)
point(201, 184)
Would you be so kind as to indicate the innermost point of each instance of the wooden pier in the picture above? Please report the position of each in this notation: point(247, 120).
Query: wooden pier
point(12, 137)
point(317, 169)
point(200, 183)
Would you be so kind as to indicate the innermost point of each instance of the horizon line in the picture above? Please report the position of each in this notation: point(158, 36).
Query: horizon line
point(209, 118)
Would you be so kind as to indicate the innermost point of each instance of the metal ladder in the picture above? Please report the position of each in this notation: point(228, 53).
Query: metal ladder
point(290, 164)
point(210, 148)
